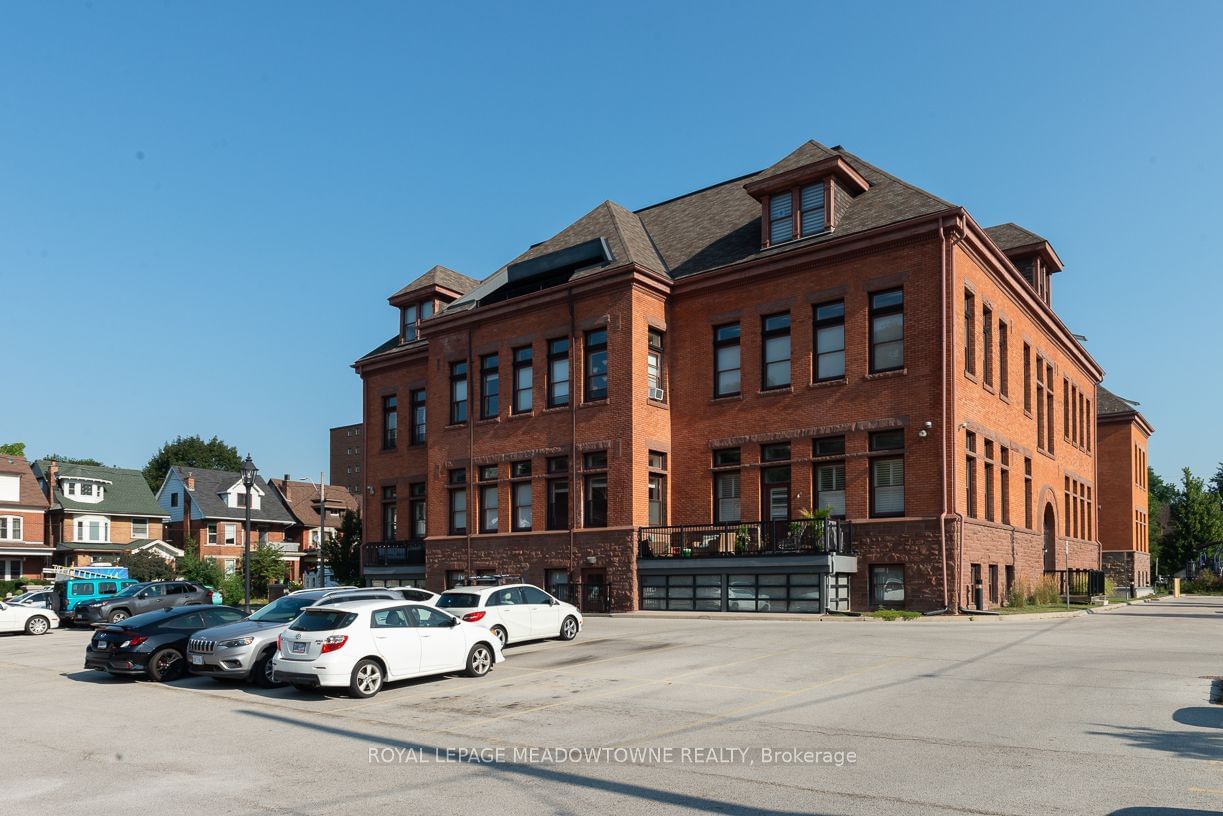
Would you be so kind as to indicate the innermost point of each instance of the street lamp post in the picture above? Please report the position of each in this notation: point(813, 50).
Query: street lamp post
point(249, 471)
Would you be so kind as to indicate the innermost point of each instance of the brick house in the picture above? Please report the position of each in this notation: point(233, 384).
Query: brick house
point(346, 457)
point(208, 506)
point(302, 501)
point(1122, 435)
point(98, 513)
point(647, 406)
point(24, 550)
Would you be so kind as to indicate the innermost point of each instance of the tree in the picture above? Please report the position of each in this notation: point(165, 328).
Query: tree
point(1217, 481)
point(1197, 520)
point(13, 449)
point(204, 571)
point(146, 565)
point(1159, 499)
point(343, 552)
point(71, 460)
point(191, 451)
point(267, 567)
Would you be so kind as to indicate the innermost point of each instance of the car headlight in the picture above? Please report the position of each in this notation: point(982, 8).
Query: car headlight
point(236, 642)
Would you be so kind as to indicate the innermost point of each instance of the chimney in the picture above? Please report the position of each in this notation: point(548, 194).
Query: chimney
point(286, 479)
point(191, 481)
point(52, 478)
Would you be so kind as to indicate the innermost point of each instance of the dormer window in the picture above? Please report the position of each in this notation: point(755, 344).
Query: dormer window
point(812, 214)
point(410, 317)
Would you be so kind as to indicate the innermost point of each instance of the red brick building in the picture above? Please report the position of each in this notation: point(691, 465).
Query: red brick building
point(1123, 434)
point(346, 451)
point(649, 406)
point(24, 550)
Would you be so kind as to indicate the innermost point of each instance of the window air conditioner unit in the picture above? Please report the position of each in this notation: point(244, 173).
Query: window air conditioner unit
point(656, 394)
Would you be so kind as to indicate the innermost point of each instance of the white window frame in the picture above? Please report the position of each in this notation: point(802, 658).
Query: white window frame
point(231, 535)
point(14, 526)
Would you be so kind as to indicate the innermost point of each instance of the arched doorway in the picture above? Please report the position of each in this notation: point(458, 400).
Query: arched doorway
point(1050, 539)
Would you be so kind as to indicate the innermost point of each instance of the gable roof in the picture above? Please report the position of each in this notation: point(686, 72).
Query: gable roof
point(440, 276)
point(1012, 236)
point(302, 499)
point(126, 494)
point(210, 484)
point(29, 493)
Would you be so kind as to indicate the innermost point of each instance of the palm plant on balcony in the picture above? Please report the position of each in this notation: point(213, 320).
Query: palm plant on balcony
point(808, 528)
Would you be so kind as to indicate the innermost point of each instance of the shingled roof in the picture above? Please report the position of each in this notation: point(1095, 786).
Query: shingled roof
point(440, 276)
point(126, 493)
point(210, 484)
point(302, 499)
point(1109, 404)
point(28, 492)
point(1012, 236)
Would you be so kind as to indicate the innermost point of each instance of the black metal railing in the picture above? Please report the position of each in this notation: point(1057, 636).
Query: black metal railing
point(1083, 582)
point(393, 553)
point(748, 538)
point(588, 596)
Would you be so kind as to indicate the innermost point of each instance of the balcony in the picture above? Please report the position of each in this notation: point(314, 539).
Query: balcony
point(393, 553)
point(802, 536)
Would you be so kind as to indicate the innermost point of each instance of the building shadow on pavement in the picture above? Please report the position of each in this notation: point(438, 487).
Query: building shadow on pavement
point(1184, 744)
point(1162, 811)
point(541, 773)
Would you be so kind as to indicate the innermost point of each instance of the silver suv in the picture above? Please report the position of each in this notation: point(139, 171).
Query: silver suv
point(244, 649)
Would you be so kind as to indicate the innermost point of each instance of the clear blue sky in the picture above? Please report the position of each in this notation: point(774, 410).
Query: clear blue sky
point(204, 206)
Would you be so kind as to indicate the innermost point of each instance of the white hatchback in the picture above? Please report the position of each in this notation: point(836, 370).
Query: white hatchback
point(514, 612)
point(32, 620)
point(360, 645)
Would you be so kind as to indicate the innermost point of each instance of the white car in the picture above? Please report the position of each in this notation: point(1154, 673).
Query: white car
point(514, 612)
point(360, 645)
point(32, 620)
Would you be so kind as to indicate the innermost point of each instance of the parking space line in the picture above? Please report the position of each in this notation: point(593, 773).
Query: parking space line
point(745, 708)
point(1206, 790)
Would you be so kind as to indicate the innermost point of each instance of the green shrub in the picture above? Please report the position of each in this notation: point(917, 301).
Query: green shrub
point(233, 589)
point(1110, 587)
point(895, 614)
point(1045, 592)
point(1205, 583)
point(1017, 596)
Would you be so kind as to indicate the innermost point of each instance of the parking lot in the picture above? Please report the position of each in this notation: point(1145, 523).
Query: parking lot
point(1104, 713)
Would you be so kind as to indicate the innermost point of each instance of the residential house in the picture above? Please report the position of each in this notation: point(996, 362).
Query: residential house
point(209, 508)
point(24, 551)
point(98, 513)
point(643, 408)
point(302, 500)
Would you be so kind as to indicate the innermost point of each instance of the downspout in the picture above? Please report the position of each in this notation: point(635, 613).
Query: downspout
point(471, 442)
point(574, 496)
point(945, 423)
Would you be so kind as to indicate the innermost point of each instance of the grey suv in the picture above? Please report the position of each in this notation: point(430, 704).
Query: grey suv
point(145, 597)
point(244, 649)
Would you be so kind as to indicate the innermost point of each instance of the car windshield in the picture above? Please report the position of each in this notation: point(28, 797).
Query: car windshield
point(458, 600)
point(322, 620)
point(282, 610)
point(128, 592)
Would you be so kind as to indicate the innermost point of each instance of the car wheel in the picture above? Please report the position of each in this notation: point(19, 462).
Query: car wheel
point(118, 615)
point(569, 628)
point(366, 679)
point(262, 672)
point(479, 660)
point(166, 665)
point(37, 625)
point(501, 634)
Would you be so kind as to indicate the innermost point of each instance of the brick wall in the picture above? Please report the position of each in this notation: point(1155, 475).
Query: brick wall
point(345, 466)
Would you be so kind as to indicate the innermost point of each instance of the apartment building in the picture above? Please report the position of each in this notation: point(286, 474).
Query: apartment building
point(810, 388)
point(346, 445)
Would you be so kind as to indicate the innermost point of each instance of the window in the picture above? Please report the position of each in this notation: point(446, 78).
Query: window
point(458, 392)
point(1027, 493)
point(416, 509)
point(490, 386)
point(558, 503)
point(775, 344)
point(987, 345)
point(887, 586)
point(989, 480)
point(1049, 406)
point(727, 457)
point(174, 500)
point(487, 473)
point(595, 498)
point(726, 496)
point(1041, 403)
point(86, 489)
point(811, 209)
point(1004, 485)
point(778, 452)
point(408, 321)
point(458, 501)
point(556, 581)
point(993, 584)
point(887, 474)
point(140, 528)
point(524, 380)
point(93, 528)
point(657, 499)
point(1067, 398)
point(887, 331)
point(1027, 378)
point(10, 528)
point(416, 433)
point(726, 360)
point(657, 460)
point(523, 503)
point(231, 535)
point(558, 372)
point(595, 349)
point(970, 332)
point(595, 460)
point(655, 373)
point(489, 504)
point(390, 514)
point(212, 534)
point(390, 421)
point(970, 474)
point(830, 341)
point(781, 217)
point(1004, 377)
point(830, 486)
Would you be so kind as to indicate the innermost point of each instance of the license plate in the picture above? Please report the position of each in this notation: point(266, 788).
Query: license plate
point(297, 648)
point(197, 660)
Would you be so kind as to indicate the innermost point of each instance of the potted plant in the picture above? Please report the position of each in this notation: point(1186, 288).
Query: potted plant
point(743, 539)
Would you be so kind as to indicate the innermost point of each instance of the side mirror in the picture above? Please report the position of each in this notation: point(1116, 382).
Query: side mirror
point(554, 602)
point(454, 622)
